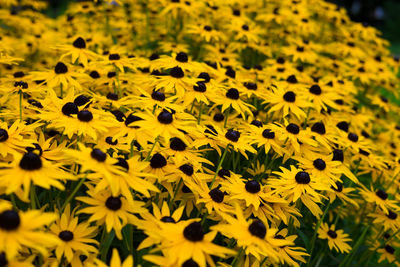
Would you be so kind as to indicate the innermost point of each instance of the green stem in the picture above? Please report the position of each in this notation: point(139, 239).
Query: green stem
point(131, 149)
point(20, 106)
point(226, 116)
point(234, 262)
point(191, 108)
point(109, 237)
point(175, 192)
point(71, 196)
point(391, 182)
point(394, 235)
point(13, 201)
point(151, 150)
point(219, 165)
point(263, 261)
point(305, 122)
point(368, 254)
point(347, 260)
point(315, 233)
point(117, 89)
point(319, 259)
point(337, 215)
point(204, 217)
point(200, 110)
point(33, 197)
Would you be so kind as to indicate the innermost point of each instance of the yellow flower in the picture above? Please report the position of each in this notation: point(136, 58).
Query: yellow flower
point(337, 239)
point(254, 237)
point(379, 197)
point(25, 229)
point(298, 184)
point(61, 75)
point(75, 237)
point(114, 262)
point(30, 168)
point(78, 52)
point(14, 138)
point(114, 212)
point(186, 240)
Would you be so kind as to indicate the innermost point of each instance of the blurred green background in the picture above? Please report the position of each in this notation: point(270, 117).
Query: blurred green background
point(383, 14)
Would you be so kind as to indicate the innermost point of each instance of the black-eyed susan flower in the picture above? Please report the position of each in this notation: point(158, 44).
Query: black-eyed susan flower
point(296, 183)
point(152, 223)
point(173, 112)
point(291, 134)
point(114, 212)
point(282, 102)
point(390, 220)
point(387, 253)
point(114, 262)
point(20, 230)
point(14, 138)
point(74, 236)
point(290, 254)
point(250, 192)
point(29, 169)
point(230, 98)
point(321, 167)
point(99, 165)
point(175, 82)
point(167, 123)
point(253, 236)
point(265, 137)
point(203, 31)
point(72, 117)
point(337, 239)
point(119, 62)
point(78, 52)
point(345, 194)
point(186, 240)
point(214, 199)
point(61, 75)
point(379, 197)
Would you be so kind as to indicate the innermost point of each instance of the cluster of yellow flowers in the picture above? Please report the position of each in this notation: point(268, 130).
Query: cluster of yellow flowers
point(196, 133)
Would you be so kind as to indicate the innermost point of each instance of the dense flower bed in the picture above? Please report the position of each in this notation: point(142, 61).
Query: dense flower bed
point(196, 133)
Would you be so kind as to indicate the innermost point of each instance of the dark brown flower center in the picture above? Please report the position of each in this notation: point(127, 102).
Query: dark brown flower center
point(113, 203)
point(158, 161)
point(69, 108)
point(319, 164)
point(233, 93)
point(30, 162)
point(302, 178)
point(289, 97)
point(332, 234)
point(253, 187)
point(98, 155)
point(318, 127)
point(66, 235)
point(382, 194)
point(60, 68)
point(258, 229)
point(9, 220)
point(194, 232)
point(293, 128)
point(232, 135)
point(85, 115)
point(79, 43)
point(3, 135)
point(217, 195)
